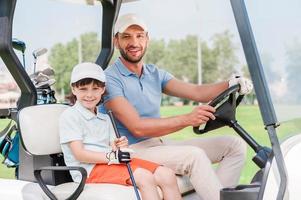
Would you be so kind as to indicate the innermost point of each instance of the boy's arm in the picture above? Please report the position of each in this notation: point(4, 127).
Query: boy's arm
point(86, 156)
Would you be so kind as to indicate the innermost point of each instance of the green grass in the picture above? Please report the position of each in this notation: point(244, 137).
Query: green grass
point(4, 171)
point(249, 118)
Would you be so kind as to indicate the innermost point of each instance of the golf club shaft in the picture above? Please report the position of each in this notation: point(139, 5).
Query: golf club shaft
point(110, 113)
point(133, 181)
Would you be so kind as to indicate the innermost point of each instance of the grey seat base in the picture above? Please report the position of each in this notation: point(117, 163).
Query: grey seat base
point(246, 192)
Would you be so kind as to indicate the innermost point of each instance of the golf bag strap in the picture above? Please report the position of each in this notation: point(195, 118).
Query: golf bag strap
point(75, 194)
point(5, 130)
point(6, 134)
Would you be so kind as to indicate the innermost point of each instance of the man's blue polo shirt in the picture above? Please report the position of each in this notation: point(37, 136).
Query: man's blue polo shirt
point(144, 92)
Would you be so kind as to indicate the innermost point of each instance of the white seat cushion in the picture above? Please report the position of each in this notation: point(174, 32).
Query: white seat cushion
point(39, 128)
point(110, 191)
point(291, 150)
point(95, 191)
point(12, 189)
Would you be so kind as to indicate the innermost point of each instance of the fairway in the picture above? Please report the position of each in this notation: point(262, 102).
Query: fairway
point(248, 117)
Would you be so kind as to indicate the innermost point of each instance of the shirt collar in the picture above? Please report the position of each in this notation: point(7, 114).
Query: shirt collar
point(125, 71)
point(86, 113)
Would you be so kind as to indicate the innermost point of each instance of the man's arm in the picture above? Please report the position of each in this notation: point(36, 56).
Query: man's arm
point(200, 93)
point(153, 127)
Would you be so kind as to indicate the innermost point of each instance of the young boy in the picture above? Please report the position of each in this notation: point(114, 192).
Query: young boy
point(88, 140)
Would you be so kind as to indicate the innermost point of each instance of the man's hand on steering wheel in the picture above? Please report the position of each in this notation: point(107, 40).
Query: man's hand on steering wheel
point(245, 84)
point(225, 105)
point(200, 115)
point(222, 107)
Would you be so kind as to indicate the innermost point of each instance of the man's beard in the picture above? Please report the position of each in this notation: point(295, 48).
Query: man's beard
point(127, 58)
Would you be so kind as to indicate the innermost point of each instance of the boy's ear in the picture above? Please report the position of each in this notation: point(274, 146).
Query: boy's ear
point(72, 90)
point(103, 91)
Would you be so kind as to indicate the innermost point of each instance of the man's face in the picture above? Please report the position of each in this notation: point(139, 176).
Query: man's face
point(132, 43)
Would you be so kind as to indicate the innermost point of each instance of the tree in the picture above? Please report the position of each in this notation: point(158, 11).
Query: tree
point(90, 47)
point(156, 52)
point(224, 51)
point(271, 73)
point(293, 70)
point(64, 57)
point(210, 71)
point(181, 58)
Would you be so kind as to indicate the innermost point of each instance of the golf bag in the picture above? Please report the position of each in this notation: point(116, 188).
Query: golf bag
point(42, 81)
point(9, 145)
point(9, 136)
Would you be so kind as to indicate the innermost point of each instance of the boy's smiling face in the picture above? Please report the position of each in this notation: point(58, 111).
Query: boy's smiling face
point(89, 95)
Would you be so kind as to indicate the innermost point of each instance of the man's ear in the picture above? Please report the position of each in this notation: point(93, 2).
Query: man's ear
point(115, 41)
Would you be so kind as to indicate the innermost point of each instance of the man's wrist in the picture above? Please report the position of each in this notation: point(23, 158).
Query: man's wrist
point(186, 120)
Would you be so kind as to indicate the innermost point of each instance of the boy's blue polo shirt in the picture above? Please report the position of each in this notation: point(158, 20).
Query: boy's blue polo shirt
point(144, 92)
point(94, 131)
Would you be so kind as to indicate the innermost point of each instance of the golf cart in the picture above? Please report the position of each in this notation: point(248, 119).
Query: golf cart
point(39, 147)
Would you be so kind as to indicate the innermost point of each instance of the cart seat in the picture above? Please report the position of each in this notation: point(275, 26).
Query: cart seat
point(110, 191)
point(291, 150)
point(39, 131)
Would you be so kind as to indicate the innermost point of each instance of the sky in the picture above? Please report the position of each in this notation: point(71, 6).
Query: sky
point(167, 19)
point(276, 23)
point(42, 23)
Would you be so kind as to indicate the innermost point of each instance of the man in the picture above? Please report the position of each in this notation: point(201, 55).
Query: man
point(134, 95)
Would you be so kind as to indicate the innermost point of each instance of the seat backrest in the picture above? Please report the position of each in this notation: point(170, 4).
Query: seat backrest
point(39, 128)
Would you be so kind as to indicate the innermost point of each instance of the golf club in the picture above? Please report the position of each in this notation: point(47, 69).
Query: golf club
point(110, 113)
point(36, 53)
point(20, 46)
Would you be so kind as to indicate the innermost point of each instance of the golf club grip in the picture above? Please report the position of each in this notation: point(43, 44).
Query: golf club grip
point(110, 113)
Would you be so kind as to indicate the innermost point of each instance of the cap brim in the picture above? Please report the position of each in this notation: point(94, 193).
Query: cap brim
point(125, 26)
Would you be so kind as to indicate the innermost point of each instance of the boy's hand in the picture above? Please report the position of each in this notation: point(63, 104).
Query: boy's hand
point(119, 156)
point(121, 142)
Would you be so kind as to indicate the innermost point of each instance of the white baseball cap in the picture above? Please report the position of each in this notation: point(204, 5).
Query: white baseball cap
point(124, 21)
point(87, 70)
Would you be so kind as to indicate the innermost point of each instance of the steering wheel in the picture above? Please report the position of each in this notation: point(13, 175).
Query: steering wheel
point(225, 105)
